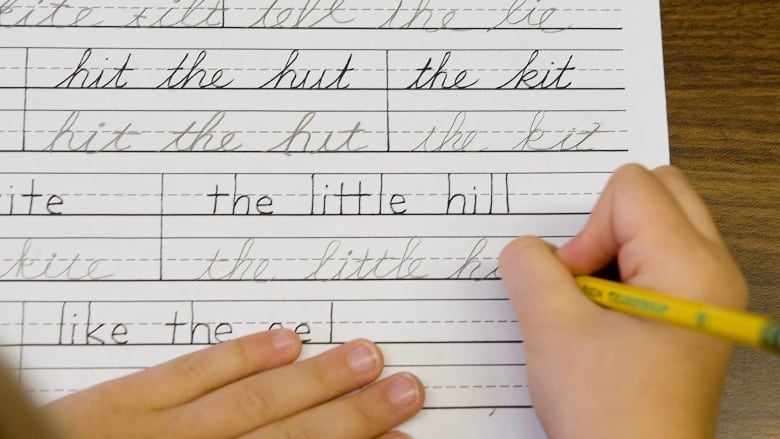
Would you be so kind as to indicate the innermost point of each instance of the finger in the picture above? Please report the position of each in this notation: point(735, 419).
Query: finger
point(689, 201)
point(367, 414)
point(635, 220)
point(191, 376)
point(542, 288)
point(267, 397)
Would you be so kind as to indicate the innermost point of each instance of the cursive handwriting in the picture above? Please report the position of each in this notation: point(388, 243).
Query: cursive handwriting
point(241, 267)
point(187, 75)
point(423, 16)
point(68, 13)
point(473, 266)
point(310, 15)
point(300, 139)
point(177, 16)
point(519, 15)
point(292, 78)
point(206, 137)
point(537, 138)
point(26, 267)
point(532, 78)
point(337, 263)
point(440, 77)
point(96, 81)
point(454, 139)
point(90, 141)
point(427, 15)
point(58, 13)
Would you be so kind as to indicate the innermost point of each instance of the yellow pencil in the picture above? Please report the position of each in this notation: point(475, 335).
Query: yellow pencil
point(737, 326)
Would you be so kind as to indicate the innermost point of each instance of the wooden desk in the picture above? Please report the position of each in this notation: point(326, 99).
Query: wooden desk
point(723, 85)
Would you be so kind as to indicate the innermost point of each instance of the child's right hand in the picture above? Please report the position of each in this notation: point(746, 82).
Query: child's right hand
point(595, 373)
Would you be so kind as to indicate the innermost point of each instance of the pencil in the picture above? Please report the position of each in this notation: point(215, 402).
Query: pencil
point(736, 326)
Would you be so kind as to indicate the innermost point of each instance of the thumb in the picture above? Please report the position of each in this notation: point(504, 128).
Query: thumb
point(543, 291)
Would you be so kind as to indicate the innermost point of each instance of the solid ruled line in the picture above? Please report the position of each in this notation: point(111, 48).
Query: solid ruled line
point(327, 153)
point(482, 407)
point(412, 111)
point(327, 28)
point(319, 49)
point(236, 281)
point(412, 365)
point(300, 174)
point(337, 90)
point(295, 215)
point(169, 345)
point(269, 237)
point(334, 344)
point(310, 301)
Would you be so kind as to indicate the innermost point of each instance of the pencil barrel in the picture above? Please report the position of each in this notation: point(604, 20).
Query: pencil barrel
point(733, 325)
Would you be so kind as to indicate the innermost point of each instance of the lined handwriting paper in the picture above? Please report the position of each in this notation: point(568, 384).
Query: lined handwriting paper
point(176, 174)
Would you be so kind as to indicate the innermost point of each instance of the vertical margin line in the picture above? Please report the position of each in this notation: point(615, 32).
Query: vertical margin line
point(506, 194)
point(24, 108)
point(492, 190)
point(331, 323)
point(387, 95)
point(192, 319)
point(162, 221)
point(21, 344)
point(313, 189)
point(381, 190)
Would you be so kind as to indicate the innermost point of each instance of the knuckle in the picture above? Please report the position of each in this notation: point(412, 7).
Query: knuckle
point(196, 368)
point(242, 353)
point(670, 169)
point(737, 288)
point(295, 430)
point(327, 377)
point(670, 172)
point(631, 168)
point(726, 285)
point(520, 248)
point(367, 413)
point(741, 292)
point(627, 175)
point(253, 405)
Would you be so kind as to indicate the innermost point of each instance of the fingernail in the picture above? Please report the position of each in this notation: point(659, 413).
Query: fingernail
point(283, 340)
point(403, 391)
point(363, 359)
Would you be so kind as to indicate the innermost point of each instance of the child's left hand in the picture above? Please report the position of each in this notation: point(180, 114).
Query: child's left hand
point(248, 388)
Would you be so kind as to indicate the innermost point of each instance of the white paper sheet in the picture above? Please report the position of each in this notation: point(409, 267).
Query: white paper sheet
point(176, 174)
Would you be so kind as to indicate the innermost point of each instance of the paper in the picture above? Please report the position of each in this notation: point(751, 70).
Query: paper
point(180, 173)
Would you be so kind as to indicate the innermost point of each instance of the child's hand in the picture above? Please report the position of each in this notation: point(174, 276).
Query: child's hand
point(595, 373)
point(247, 388)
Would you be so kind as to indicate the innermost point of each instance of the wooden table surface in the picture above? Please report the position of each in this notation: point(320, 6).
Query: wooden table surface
point(723, 86)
